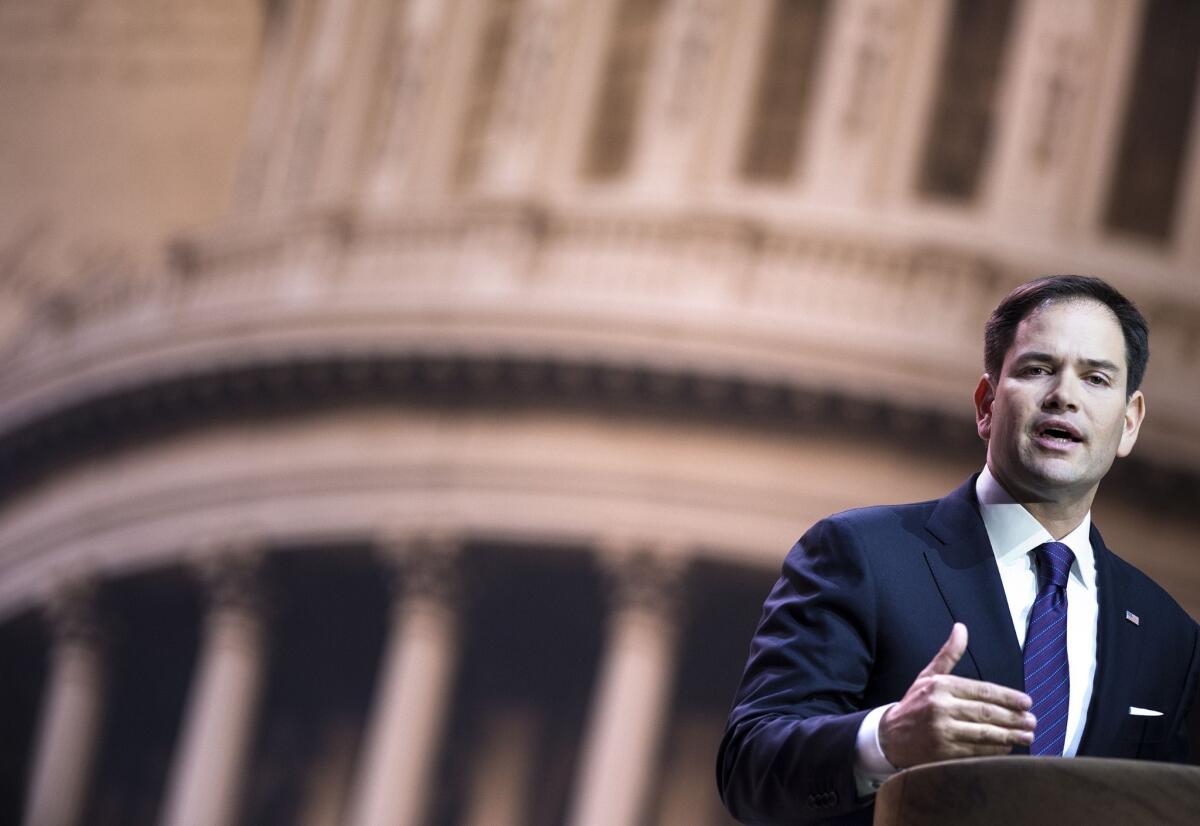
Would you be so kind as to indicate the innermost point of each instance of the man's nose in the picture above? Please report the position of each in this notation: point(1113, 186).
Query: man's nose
point(1062, 394)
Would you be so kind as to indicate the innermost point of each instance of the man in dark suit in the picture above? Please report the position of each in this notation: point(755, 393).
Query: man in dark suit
point(993, 620)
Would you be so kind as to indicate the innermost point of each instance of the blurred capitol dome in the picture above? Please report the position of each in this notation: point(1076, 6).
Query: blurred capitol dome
point(405, 405)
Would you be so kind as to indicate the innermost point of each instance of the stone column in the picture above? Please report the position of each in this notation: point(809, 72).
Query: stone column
point(70, 716)
point(207, 771)
point(282, 42)
point(514, 141)
point(408, 77)
point(1042, 124)
point(630, 704)
point(395, 772)
point(682, 67)
point(300, 150)
point(1105, 50)
point(861, 82)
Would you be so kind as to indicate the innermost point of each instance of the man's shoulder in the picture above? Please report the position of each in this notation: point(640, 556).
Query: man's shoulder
point(1139, 585)
point(882, 537)
point(958, 505)
point(869, 526)
point(884, 517)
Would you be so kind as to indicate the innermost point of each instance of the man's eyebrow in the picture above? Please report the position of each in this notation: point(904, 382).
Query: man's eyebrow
point(1095, 364)
point(1034, 356)
point(1102, 364)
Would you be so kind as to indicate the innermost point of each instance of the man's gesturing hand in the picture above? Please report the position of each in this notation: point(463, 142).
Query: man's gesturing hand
point(942, 716)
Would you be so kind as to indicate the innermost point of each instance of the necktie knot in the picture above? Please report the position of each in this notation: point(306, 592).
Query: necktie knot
point(1054, 563)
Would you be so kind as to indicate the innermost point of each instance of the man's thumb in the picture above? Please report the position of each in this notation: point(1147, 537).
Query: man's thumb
point(944, 661)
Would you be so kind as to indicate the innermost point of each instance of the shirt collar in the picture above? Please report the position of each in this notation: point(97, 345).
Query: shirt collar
point(1014, 532)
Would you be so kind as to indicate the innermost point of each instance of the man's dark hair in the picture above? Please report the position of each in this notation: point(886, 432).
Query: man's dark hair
point(1001, 328)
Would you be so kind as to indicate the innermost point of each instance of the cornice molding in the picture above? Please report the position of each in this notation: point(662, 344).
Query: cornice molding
point(755, 260)
point(259, 392)
point(516, 302)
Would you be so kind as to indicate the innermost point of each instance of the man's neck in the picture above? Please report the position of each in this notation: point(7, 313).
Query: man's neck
point(1058, 519)
point(1058, 516)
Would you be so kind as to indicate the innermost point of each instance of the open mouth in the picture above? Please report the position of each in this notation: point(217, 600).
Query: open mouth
point(1058, 432)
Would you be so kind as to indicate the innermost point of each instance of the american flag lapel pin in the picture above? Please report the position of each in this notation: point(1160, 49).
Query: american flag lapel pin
point(1132, 617)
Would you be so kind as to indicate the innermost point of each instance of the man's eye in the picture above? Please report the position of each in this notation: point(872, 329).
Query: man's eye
point(1035, 370)
point(1099, 381)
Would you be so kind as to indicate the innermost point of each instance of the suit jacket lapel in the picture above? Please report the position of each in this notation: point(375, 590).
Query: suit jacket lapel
point(964, 566)
point(1116, 656)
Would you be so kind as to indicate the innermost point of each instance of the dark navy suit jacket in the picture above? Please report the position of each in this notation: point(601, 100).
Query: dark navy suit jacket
point(867, 597)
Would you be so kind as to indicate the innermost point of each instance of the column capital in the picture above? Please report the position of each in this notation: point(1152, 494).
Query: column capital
point(229, 572)
point(642, 577)
point(424, 564)
point(73, 612)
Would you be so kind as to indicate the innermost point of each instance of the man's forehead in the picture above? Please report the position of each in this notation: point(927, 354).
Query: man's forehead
point(1056, 313)
point(1082, 328)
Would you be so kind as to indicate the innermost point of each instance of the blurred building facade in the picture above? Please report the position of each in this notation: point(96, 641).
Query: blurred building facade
point(405, 405)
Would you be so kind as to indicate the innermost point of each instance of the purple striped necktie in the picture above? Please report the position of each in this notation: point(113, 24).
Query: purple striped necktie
point(1047, 677)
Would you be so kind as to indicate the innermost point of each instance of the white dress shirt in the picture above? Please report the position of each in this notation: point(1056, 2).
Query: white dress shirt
point(1014, 534)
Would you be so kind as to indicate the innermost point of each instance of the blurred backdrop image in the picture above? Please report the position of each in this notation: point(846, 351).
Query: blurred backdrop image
point(405, 405)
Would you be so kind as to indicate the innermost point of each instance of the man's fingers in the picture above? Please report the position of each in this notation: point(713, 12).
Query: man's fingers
point(983, 734)
point(976, 750)
point(944, 661)
point(943, 716)
point(997, 695)
point(977, 711)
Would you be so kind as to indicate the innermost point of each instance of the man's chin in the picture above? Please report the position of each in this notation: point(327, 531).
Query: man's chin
point(1054, 481)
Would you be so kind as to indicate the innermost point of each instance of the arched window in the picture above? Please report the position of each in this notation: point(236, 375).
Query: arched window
point(610, 142)
point(963, 122)
point(785, 85)
point(1158, 116)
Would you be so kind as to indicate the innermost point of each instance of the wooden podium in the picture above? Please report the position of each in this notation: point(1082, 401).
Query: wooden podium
point(1041, 791)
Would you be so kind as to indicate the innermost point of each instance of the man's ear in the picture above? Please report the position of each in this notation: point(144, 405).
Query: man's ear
point(985, 394)
point(1135, 412)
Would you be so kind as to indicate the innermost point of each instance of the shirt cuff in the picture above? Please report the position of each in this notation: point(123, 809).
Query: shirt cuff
point(871, 768)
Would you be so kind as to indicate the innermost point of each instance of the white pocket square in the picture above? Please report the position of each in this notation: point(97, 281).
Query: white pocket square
point(1144, 712)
